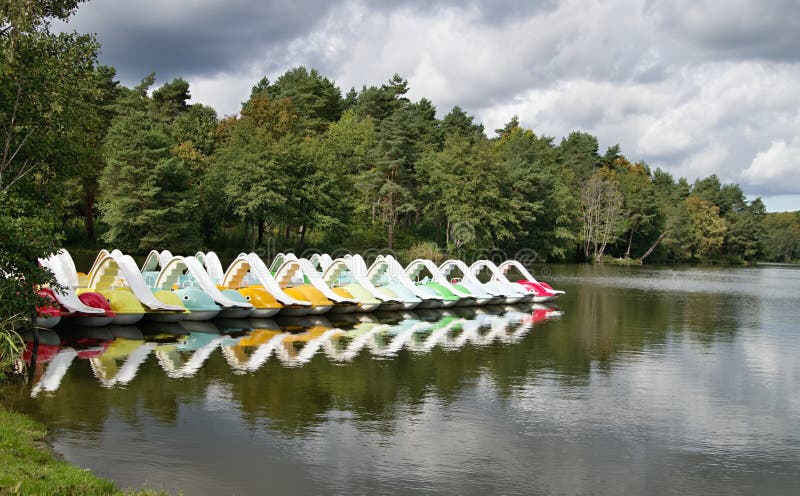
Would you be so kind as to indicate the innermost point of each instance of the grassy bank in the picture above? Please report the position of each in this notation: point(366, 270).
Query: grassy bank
point(29, 467)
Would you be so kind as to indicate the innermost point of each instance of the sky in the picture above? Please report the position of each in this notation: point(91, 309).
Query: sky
point(694, 87)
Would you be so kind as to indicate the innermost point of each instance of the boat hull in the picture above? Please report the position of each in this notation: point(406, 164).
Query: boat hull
point(293, 311)
point(430, 304)
point(235, 313)
point(166, 317)
point(263, 313)
point(202, 314)
point(319, 310)
point(93, 321)
point(48, 322)
point(390, 306)
point(127, 318)
point(368, 307)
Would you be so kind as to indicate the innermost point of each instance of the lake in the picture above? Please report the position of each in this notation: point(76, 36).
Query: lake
point(642, 380)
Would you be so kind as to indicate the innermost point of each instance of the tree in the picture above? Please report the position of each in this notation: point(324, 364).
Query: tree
point(613, 154)
point(347, 150)
point(708, 189)
point(171, 99)
point(640, 202)
point(530, 163)
point(45, 80)
point(602, 213)
point(781, 238)
point(706, 228)
point(457, 121)
point(746, 230)
point(148, 198)
point(389, 181)
point(79, 187)
point(380, 102)
point(578, 152)
point(251, 164)
point(474, 192)
point(317, 100)
point(510, 126)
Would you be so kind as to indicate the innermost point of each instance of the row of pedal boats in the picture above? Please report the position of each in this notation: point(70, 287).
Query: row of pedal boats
point(170, 288)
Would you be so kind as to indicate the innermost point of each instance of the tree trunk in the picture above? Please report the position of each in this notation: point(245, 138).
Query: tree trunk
point(630, 241)
point(390, 231)
point(260, 230)
point(653, 246)
point(303, 236)
point(89, 220)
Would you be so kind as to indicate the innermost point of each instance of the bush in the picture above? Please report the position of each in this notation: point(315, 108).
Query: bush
point(11, 345)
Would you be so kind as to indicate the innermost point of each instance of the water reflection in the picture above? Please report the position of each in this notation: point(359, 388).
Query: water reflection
point(681, 380)
point(116, 354)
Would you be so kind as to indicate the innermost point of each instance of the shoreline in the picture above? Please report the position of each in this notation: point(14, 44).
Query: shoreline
point(30, 465)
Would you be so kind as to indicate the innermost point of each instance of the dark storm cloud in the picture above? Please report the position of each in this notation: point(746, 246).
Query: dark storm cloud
point(735, 30)
point(197, 38)
point(490, 11)
point(207, 37)
point(203, 38)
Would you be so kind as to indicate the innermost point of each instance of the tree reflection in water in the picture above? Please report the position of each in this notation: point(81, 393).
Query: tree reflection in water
point(147, 362)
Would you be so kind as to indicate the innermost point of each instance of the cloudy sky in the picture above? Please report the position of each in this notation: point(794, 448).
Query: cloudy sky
point(695, 87)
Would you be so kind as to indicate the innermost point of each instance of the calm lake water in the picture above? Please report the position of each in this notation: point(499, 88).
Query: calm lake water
point(645, 381)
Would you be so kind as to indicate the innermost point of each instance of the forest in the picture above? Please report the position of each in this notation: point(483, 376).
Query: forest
point(87, 162)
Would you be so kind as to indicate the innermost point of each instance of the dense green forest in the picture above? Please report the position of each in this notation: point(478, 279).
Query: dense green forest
point(86, 161)
point(304, 166)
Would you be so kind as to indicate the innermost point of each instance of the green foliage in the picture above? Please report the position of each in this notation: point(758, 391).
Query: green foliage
point(781, 239)
point(746, 230)
point(302, 165)
point(147, 194)
point(534, 175)
point(317, 100)
point(643, 218)
point(578, 153)
point(345, 151)
point(26, 233)
point(11, 344)
point(196, 125)
point(473, 192)
point(47, 90)
point(706, 228)
point(170, 99)
point(458, 122)
point(380, 103)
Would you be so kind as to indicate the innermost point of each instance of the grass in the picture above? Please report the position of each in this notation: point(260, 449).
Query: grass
point(11, 345)
point(619, 261)
point(29, 467)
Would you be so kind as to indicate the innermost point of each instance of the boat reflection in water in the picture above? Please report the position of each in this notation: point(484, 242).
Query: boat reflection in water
point(115, 354)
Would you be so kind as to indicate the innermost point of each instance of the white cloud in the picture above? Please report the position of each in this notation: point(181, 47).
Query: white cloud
point(693, 88)
point(225, 92)
point(775, 170)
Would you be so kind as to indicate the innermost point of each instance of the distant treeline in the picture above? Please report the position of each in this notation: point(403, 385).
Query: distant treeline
point(304, 166)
